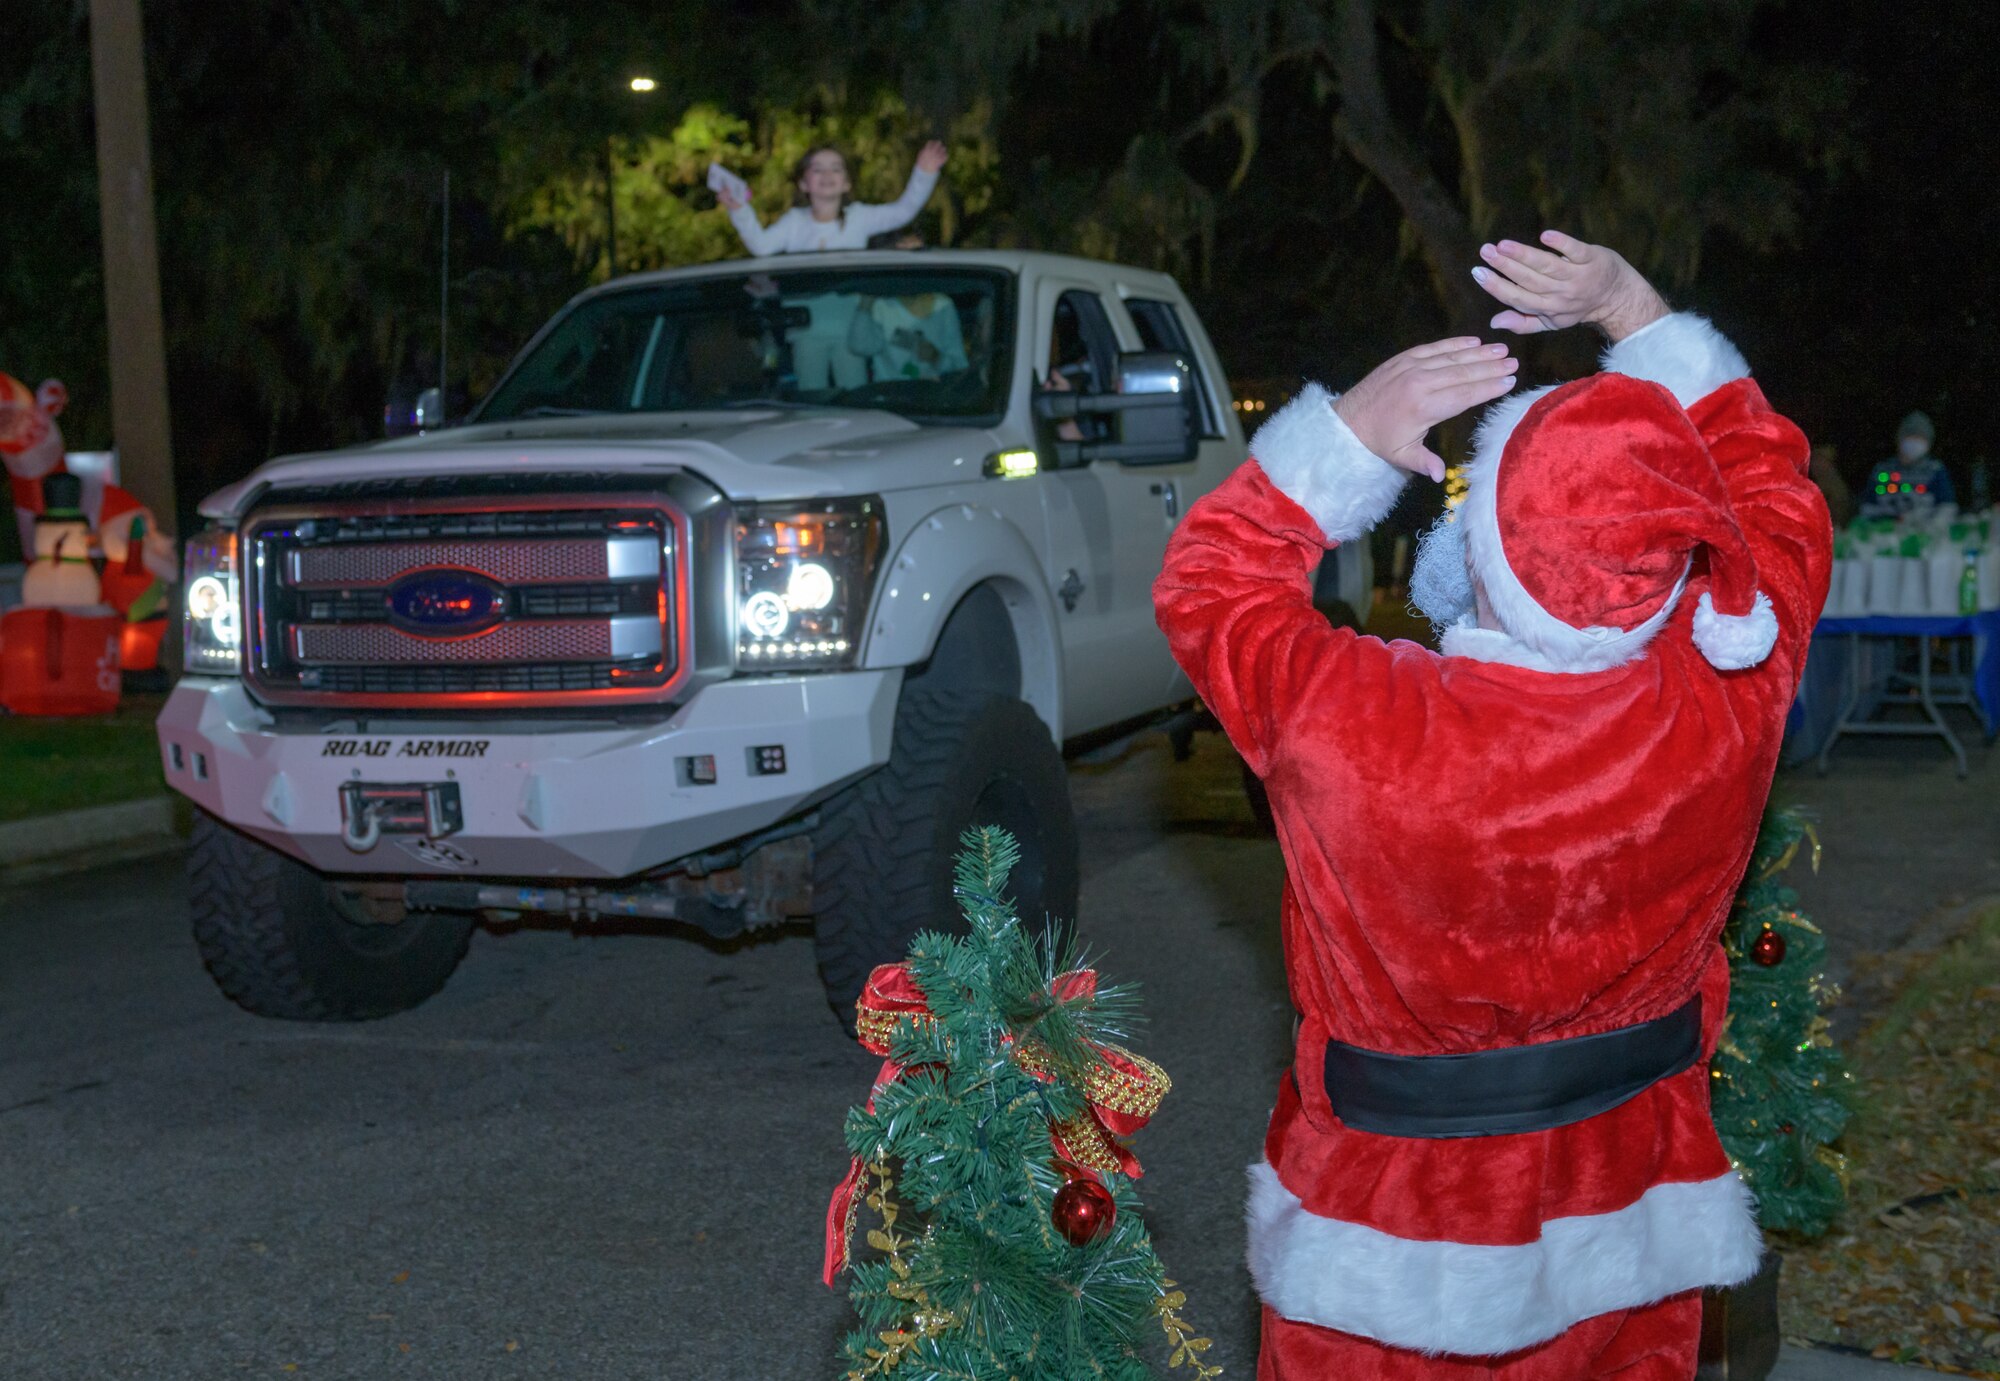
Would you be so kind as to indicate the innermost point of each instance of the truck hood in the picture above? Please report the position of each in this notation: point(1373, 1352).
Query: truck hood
point(752, 453)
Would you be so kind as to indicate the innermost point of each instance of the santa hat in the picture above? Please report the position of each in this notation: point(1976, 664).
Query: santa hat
point(1587, 503)
point(21, 422)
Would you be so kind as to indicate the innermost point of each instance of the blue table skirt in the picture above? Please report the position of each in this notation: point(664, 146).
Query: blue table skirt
point(1819, 700)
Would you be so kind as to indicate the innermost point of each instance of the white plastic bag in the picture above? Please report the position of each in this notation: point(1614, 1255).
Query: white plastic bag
point(1945, 566)
point(1914, 587)
point(1853, 598)
point(1885, 584)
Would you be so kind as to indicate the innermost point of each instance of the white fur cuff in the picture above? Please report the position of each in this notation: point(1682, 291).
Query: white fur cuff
point(1318, 463)
point(1732, 642)
point(1479, 1300)
point(1682, 352)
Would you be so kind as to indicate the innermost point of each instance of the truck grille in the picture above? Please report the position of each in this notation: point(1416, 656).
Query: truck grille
point(538, 601)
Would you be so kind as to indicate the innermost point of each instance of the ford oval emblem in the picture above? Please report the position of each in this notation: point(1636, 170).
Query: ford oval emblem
point(444, 603)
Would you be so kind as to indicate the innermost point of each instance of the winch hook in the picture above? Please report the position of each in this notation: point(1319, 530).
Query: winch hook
point(361, 830)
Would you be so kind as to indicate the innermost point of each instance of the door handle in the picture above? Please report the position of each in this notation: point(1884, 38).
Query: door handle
point(1170, 499)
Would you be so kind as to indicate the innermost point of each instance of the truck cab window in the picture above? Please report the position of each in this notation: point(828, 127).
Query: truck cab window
point(1083, 356)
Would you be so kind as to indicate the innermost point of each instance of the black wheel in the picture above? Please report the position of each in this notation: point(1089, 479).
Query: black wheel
point(282, 941)
point(883, 856)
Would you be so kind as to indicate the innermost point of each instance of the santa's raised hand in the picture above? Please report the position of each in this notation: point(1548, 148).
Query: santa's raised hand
point(1568, 283)
point(1395, 406)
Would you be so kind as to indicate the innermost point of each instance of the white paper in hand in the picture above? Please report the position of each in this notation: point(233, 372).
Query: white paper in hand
point(722, 182)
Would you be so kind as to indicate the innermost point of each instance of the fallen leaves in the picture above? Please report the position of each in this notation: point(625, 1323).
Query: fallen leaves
point(1910, 1274)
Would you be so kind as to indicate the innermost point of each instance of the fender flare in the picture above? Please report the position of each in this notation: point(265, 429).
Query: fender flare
point(943, 558)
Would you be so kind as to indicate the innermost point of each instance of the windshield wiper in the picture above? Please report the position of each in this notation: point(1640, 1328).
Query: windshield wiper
point(547, 410)
point(789, 404)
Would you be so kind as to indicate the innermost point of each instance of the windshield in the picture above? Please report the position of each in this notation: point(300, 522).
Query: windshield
point(934, 345)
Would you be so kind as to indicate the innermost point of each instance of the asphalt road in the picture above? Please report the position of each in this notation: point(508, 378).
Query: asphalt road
point(607, 1156)
point(590, 1156)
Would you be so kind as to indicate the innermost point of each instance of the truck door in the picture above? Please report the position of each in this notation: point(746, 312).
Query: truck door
point(1163, 324)
point(1108, 526)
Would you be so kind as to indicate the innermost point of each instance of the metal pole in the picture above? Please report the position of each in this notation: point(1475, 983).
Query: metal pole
point(610, 218)
point(444, 303)
point(135, 335)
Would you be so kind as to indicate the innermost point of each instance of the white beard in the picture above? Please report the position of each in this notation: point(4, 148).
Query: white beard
point(1440, 586)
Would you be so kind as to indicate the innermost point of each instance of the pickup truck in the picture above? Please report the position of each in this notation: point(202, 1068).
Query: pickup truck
point(745, 591)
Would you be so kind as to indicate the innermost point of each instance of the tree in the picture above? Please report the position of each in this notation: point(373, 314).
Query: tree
point(1644, 123)
point(1023, 1262)
point(1777, 1083)
point(299, 152)
point(667, 217)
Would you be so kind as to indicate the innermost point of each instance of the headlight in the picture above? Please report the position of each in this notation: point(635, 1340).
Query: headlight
point(214, 622)
point(804, 572)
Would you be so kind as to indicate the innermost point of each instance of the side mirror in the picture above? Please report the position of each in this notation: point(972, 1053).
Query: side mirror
point(1152, 413)
point(401, 416)
point(1164, 432)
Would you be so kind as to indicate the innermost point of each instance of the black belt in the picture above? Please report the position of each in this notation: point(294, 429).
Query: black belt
point(1526, 1088)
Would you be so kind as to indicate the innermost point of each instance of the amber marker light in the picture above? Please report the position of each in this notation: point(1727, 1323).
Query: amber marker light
point(1012, 465)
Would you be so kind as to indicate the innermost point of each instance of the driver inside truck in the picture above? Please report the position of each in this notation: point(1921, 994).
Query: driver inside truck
point(1071, 370)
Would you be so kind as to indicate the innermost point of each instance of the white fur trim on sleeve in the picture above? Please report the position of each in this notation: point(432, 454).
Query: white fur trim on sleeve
point(1479, 1299)
point(1732, 642)
point(1683, 353)
point(1317, 462)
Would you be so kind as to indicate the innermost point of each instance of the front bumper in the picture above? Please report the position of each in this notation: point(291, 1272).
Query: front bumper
point(539, 799)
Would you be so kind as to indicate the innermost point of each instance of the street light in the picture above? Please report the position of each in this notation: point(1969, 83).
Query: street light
point(640, 86)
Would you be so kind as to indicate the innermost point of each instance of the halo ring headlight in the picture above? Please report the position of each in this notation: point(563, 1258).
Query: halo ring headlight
point(765, 614)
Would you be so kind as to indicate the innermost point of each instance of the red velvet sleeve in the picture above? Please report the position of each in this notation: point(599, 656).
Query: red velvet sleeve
point(1235, 601)
point(1763, 456)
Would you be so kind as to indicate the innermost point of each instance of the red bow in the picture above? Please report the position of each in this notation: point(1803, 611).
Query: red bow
point(1122, 1091)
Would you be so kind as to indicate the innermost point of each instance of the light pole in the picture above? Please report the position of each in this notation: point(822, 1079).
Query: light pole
point(610, 215)
point(640, 86)
point(134, 333)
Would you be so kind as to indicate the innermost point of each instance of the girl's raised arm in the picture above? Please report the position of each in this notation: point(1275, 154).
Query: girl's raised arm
point(757, 238)
point(894, 215)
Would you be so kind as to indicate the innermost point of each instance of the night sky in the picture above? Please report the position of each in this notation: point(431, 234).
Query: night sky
point(297, 148)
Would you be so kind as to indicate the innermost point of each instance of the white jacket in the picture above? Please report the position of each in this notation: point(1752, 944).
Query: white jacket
point(796, 232)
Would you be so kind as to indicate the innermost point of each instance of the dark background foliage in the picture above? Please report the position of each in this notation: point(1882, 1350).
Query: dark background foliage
point(1816, 177)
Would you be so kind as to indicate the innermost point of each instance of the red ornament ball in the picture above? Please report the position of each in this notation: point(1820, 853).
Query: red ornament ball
point(1083, 1212)
point(1768, 948)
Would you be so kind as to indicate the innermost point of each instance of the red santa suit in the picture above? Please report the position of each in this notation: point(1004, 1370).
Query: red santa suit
point(1531, 837)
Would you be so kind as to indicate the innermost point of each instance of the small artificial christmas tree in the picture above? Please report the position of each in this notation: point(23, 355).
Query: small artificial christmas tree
point(1777, 1083)
point(995, 1127)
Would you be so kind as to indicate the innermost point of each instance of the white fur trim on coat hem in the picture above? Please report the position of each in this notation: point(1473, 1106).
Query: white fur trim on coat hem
point(1316, 461)
point(1481, 1300)
point(1683, 353)
point(1732, 642)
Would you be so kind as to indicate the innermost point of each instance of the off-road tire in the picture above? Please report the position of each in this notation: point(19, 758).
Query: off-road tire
point(275, 940)
point(884, 852)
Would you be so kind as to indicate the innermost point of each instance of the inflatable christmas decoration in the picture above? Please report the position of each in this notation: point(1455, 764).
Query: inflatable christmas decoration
point(139, 558)
point(59, 652)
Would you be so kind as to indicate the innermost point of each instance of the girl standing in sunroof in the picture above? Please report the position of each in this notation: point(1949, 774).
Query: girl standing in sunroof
point(823, 214)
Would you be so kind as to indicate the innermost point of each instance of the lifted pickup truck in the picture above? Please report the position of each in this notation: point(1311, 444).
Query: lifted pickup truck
point(744, 593)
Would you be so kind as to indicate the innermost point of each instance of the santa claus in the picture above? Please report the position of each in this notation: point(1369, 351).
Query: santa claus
point(31, 446)
point(1508, 863)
